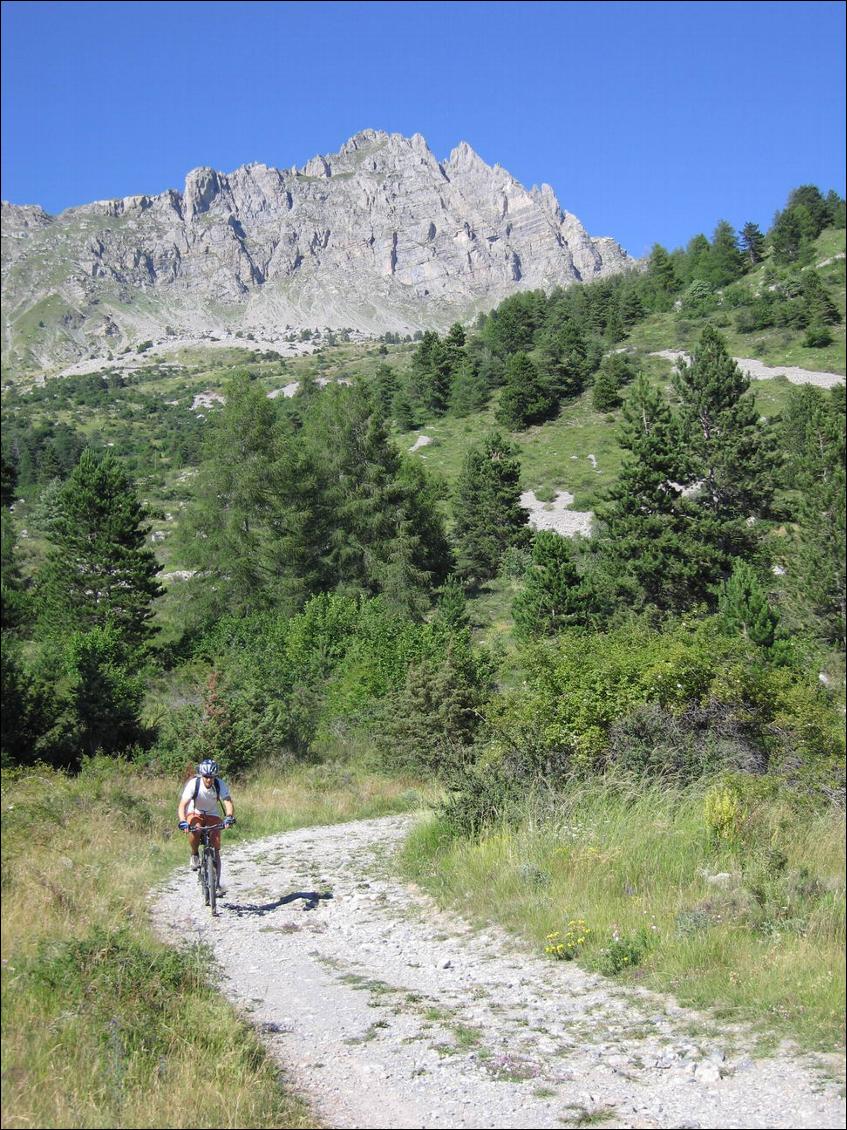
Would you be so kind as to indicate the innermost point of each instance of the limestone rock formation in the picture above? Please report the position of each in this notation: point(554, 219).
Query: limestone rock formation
point(379, 236)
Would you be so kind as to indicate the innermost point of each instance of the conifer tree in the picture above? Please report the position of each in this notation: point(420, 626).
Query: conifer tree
point(525, 399)
point(99, 571)
point(385, 388)
point(788, 241)
point(606, 395)
point(384, 532)
point(816, 211)
point(752, 243)
point(725, 262)
point(452, 610)
point(662, 277)
point(454, 349)
point(551, 598)
point(744, 606)
point(487, 510)
point(817, 573)
point(697, 258)
point(564, 360)
point(470, 392)
point(818, 307)
point(616, 371)
point(728, 451)
point(231, 534)
point(658, 549)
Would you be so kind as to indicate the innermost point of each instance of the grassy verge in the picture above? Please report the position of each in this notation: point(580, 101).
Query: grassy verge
point(744, 918)
point(103, 1025)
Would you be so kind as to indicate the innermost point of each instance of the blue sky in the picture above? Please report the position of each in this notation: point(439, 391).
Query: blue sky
point(652, 121)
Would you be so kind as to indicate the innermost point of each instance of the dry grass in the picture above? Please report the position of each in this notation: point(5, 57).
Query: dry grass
point(103, 1025)
point(765, 945)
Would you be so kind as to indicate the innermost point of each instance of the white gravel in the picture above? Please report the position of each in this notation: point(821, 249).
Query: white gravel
point(557, 515)
point(758, 371)
point(386, 1012)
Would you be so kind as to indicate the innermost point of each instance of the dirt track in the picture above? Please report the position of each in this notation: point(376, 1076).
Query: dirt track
point(387, 1012)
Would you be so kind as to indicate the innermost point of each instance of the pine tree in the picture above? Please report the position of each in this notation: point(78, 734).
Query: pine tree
point(725, 263)
point(384, 533)
point(658, 549)
point(606, 395)
point(551, 599)
point(454, 349)
point(752, 243)
point(816, 211)
point(817, 573)
point(662, 278)
point(729, 453)
point(697, 258)
point(616, 371)
point(525, 399)
point(818, 306)
point(452, 609)
point(788, 240)
point(564, 360)
point(835, 209)
point(744, 606)
point(385, 386)
point(431, 720)
point(231, 533)
point(99, 571)
point(487, 511)
point(430, 375)
point(470, 392)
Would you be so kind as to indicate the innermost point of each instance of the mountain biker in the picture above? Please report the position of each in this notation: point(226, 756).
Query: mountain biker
point(198, 807)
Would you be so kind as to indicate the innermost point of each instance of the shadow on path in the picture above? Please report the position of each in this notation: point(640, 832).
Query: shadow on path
point(311, 899)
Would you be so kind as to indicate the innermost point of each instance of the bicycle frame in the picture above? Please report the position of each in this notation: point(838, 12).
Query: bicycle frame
point(208, 873)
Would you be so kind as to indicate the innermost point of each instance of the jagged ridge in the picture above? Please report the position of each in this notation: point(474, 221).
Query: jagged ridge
point(379, 236)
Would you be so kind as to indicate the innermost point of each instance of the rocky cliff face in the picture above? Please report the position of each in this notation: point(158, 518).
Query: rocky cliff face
point(380, 236)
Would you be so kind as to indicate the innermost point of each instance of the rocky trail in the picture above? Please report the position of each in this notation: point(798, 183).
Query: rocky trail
point(759, 371)
point(386, 1012)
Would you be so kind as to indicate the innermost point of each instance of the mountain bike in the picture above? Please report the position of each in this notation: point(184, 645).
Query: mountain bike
point(208, 866)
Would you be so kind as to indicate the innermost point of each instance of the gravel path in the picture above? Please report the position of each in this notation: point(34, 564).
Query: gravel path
point(386, 1012)
point(759, 371)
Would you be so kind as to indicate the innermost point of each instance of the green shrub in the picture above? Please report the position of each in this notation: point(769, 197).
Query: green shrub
point(623, 951)
point(817, 336)
point(681, 701)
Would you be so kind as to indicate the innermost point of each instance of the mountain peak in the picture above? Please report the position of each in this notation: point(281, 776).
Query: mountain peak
point(379, 236)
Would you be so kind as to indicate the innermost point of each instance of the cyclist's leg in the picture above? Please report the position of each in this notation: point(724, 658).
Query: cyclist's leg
point(194, 843)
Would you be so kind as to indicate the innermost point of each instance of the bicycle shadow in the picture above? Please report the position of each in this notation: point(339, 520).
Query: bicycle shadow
point(311, 900)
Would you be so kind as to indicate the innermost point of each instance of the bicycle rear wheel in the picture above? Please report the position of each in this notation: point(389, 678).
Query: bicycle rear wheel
point(211, 881)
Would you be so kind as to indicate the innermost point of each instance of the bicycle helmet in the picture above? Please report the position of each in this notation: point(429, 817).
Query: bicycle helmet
point(208, 768)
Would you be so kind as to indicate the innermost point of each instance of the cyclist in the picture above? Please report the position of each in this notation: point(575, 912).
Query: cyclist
point(198, 807)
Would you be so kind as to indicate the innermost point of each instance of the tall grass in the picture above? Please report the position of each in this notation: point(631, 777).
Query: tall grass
point(747, 922)
point(102, 1024)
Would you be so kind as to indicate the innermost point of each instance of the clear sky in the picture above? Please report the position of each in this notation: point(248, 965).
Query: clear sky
point(652, 121)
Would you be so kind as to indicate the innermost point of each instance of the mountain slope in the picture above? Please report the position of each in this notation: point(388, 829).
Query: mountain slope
point(380, 236)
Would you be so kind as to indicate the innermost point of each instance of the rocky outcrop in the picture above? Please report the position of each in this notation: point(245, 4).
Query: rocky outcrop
point(379, 236)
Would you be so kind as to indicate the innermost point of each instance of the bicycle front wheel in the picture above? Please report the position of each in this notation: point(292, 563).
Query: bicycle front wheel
point(204, 876)
point(211, 882)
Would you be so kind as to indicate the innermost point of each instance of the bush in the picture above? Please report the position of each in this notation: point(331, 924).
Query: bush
point(700, 740)
point(816, 337)
point(623, 952)
point(677, 702)
point(481, 796)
